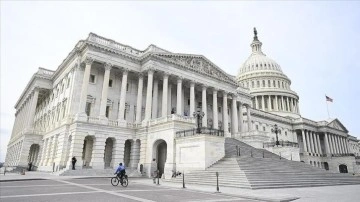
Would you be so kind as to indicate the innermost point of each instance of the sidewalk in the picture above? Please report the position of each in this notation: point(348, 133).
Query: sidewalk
point(345, 193)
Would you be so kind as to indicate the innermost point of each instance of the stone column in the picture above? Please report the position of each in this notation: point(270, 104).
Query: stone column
point(139, 98)
point(269, 103)
point(288, 104)
point(256, 103)
point(262, 103)
point(276, 103)
point(155, 99)
point(234, 117)
point(282, 103)
point(308, 141)
point(165, 95)
point(336, 144)
point(344, 146)
point(319, 143)
point(341, 148)
point(123, 96)
point(347, 146)
point(333, 148)
point(204, 106)
point(149, 95)
point(304, 141)
point(330, 143)
point(327, 146)
point(316, 143)
point(33, 103)
point(104, 92)
point(215, 110)
point(98, 151)
point(134, 154)
point(179, 110)
point(225, 114)
point(248, 118)
point(192, 98)
point(84, 90)
point(170, 98)
point(241, 118)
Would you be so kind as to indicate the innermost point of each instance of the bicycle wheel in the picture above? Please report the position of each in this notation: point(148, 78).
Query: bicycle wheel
point(114, 181)
point(125, 182)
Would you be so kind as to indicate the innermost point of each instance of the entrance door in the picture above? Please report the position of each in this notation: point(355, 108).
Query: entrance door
point(161, 156)
point(343, 168)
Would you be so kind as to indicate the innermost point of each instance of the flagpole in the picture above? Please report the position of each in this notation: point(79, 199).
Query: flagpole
point(327, 107)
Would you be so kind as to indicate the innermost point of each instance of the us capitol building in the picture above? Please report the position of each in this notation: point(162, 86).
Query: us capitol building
point(153, 109)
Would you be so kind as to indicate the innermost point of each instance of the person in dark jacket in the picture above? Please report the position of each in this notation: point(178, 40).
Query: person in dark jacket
point(73, 161)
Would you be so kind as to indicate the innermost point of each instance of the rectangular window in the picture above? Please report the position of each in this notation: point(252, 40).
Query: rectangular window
point(257, 127)
point(188, 101)
point(92, 78)
point(107, 111)
point(219, 109)
point(127, 87)
point(88, 108)
point(263, 128)
point(110, 83)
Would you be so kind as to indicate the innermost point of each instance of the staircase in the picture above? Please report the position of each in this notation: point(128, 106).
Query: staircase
point(251, 170)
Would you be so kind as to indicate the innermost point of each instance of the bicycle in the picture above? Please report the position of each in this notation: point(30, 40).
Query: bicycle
point(115, 181)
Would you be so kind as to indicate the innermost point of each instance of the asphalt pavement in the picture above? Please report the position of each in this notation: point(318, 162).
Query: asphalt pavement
point(100, 189)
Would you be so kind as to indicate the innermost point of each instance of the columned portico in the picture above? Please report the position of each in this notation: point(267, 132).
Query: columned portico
point(192, 98)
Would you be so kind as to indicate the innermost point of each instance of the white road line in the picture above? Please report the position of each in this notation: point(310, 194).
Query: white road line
point(109, 192)
point(50, 194)
point(217, 200)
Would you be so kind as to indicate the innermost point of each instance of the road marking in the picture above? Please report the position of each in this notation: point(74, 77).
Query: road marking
point(108, 192)
point(216, 200)
point(50, 194)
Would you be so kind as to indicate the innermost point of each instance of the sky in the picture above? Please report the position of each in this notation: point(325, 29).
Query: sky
point(315, 43)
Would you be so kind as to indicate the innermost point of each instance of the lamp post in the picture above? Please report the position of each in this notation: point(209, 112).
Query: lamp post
point(198, 115)
point(276, 130)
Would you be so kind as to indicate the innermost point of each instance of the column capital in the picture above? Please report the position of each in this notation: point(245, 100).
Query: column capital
point(204, 87)
point(140, 74)
point(125, 71)
point(88, 60)
point(151, 70)
point(179, 79)
point(166, 74)
point(107, 66)
point(215, 90)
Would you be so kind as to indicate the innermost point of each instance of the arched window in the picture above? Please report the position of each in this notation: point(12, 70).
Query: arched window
point(258, 84)
point(252, 84)
point(263, 83)
point(269, 83)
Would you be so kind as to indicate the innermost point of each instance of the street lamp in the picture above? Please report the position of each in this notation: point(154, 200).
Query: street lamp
point(276, 130)
point(198, 115)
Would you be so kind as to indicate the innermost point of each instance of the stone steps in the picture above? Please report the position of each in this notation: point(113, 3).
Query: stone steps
point(257, 172)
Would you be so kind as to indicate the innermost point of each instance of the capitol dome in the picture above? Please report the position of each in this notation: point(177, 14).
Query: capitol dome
point(267, 83)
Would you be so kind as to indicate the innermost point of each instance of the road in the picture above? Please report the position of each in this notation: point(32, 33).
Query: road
point(100, 189)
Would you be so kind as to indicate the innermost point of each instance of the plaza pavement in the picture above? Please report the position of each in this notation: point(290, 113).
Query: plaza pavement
point(345, 193)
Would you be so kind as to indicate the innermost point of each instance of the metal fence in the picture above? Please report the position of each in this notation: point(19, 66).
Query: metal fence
point(282, 143)
point(198, 131)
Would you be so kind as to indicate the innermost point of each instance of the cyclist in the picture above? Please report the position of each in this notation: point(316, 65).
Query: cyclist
point(120, 172)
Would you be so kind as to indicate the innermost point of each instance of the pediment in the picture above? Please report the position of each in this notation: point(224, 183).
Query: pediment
point(199, 64)
point(337, 125)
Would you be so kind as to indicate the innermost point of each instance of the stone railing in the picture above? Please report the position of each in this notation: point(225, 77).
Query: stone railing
point(113, 123)
point(195, 131)
point(113, 44)
point(172, 117)
point(282, 143)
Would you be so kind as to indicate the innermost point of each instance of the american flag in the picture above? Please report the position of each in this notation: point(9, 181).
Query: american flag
point(328, 99)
